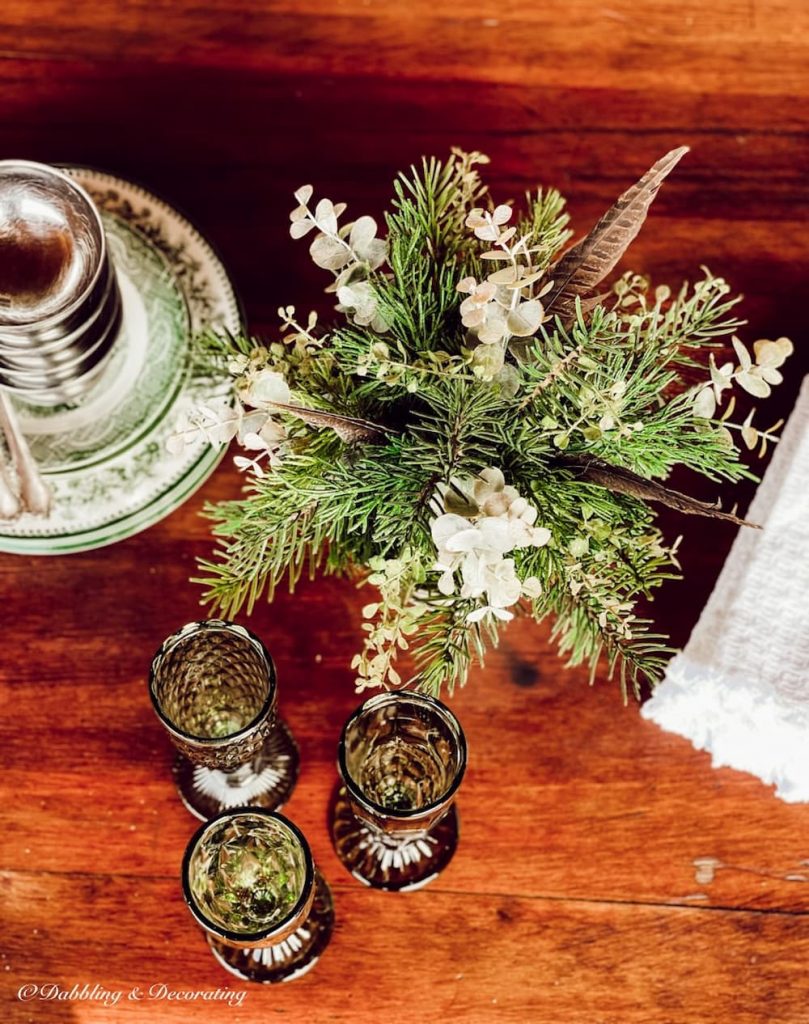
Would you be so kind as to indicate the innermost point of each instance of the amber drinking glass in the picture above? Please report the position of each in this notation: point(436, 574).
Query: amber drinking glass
point(249, 880)
point(394, 824)
point(214, 688)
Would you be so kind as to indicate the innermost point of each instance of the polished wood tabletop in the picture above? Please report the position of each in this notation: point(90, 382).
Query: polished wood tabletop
point(606, 874)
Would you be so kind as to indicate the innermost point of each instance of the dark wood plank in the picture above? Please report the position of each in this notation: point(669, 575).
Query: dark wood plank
point(482, 959)
point(681, 43)
point(742, 192)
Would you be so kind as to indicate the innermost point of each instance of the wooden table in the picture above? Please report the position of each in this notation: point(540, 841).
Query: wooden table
point(606, 873)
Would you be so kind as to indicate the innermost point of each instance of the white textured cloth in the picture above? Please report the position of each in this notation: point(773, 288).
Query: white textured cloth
point(740, 688)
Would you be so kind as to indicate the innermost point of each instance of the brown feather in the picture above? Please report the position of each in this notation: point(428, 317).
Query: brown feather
point(624, 481)
point(346, 427)
point(584, 266)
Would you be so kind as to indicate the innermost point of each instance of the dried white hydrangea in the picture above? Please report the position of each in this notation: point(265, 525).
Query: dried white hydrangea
point(217, 422)
point(474, 545)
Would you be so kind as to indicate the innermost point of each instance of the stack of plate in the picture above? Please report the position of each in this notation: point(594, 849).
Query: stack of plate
point(60, 306)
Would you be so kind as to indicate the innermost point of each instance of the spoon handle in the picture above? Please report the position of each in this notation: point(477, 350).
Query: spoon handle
point(35, 495)
point(10, 506)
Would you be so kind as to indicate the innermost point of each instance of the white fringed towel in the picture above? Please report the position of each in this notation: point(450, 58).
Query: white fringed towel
point(740, 688)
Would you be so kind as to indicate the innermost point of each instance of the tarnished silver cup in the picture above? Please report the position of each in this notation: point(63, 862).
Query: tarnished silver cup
point(60, 306)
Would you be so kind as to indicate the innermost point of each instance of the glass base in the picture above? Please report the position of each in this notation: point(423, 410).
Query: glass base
point(385, 862)
point(267, 781)
point(291, 958)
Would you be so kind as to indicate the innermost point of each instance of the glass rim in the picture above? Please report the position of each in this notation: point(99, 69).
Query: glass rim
point(397, 697)
point(261, 934)
point(56, 172)
point(225, 626)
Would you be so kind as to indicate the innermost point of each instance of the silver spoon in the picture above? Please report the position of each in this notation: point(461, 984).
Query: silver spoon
point(35, 495)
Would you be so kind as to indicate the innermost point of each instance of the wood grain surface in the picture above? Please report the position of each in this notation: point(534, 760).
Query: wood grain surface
point(606, 874)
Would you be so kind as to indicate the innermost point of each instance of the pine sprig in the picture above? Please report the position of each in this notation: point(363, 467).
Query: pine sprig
point(545, 224)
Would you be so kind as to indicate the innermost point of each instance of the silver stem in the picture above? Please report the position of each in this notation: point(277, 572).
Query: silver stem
point(35, 495)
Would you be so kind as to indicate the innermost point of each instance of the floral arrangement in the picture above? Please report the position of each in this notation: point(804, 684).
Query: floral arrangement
point(483, 432)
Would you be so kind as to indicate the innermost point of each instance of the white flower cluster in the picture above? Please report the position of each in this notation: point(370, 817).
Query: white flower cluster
point(249, 419)
point(476, 545)
point(501, 307)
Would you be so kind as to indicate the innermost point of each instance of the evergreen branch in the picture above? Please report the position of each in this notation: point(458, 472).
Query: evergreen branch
point(546, 226)
point(446, 646)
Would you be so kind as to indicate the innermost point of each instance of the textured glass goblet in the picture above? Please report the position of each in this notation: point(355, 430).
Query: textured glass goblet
point(213, 686)
point(250, 882)
point(402, 756)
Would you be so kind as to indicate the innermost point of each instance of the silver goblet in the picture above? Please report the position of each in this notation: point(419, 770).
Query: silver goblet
point(214, 688)
point(60, 307)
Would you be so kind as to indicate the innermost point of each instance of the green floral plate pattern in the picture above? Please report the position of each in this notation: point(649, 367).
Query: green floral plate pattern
point(106, 458)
